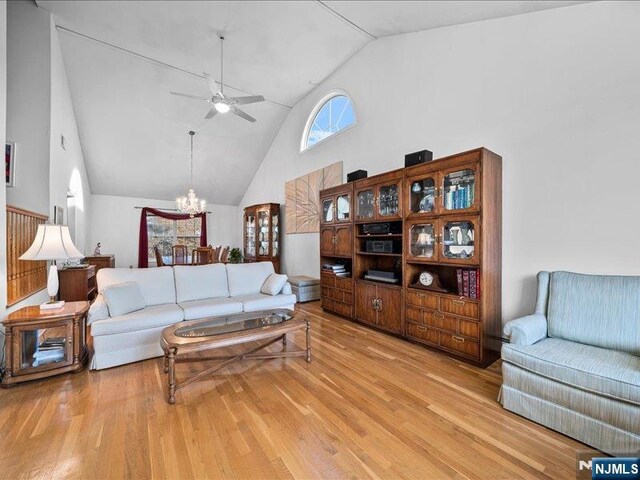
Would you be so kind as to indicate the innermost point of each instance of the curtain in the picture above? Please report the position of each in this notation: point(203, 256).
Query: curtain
point(143, 248)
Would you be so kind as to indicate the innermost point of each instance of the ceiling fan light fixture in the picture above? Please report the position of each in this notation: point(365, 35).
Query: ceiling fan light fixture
point(222, 107)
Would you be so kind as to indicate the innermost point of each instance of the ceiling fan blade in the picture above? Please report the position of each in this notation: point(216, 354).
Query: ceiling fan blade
point(245, 100)
point(213, 85)
point(197, 97)
point(211, 113)
point(242, 114)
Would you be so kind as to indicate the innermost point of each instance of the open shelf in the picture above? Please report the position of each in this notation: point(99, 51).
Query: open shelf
point(379, 235)
point(381, 254)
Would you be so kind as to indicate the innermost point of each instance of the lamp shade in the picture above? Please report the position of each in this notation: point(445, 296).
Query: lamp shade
point(52, 242)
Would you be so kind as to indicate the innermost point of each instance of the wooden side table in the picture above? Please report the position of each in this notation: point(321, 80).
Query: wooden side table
point(40, 344)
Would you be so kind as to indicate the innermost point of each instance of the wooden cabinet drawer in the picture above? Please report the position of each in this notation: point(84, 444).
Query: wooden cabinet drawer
point(342, 308)
point(457, 306)
point(469, 329)
point(344, 284)
point(326, 302)
point(327, 280)
point(462, 345)
point(336, 294)
point(423, 333)
point(422, 299)
point(413, 314)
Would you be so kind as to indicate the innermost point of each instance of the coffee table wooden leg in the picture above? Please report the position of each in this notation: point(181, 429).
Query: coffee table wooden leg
point(172, 375)
point(308, 341)
point(284, 340)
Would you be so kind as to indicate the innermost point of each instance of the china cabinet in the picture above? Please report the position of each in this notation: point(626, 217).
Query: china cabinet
point(435, 253)
point(261, 234)
point(379, 198)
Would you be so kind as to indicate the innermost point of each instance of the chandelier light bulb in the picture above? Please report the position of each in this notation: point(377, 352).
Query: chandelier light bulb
point(190, 203)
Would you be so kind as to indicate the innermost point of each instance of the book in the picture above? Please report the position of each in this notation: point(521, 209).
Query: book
point(473, 276)
point(459, 278)
point(343, 274)
point(465, 283)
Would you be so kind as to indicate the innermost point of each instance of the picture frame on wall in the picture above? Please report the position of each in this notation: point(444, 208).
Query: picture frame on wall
point(10, 164)
point(58, 215)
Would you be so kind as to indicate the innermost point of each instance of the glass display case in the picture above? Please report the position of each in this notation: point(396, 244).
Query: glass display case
point(343, 208)
point(388, 200)
point(262, 234)
point(458, 240)
point(459, 188)
point(423, 195)
point(365, 204)
point(422, 239)
point(250, 234)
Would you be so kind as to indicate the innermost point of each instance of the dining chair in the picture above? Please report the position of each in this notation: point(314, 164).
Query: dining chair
point(215, 254)
point(159, 261)
point(201, 255)
point(224, 255)
point(179, 253)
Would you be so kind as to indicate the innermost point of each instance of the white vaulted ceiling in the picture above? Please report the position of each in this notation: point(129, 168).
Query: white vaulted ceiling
point(123, 58)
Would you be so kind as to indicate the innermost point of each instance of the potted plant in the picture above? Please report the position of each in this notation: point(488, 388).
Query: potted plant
point(235, 255)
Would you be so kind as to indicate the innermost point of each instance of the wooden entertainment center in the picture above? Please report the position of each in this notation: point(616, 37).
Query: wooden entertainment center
point(435, 229)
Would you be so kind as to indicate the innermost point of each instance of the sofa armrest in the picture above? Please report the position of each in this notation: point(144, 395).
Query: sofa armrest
point(287, 289)
point(526, 330)
point(98, 310)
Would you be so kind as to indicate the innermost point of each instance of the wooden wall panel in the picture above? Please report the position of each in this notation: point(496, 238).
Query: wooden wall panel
point(24, 278)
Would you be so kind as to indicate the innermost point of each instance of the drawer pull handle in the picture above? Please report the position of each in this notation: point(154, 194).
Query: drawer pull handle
point(438, 316)
point(457, 339)
point(459, 303)
point(422, 329)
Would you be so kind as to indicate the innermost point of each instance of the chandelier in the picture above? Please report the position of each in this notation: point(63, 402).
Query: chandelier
point(190, 203)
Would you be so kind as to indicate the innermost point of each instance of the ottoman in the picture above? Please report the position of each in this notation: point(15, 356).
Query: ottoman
point(305, 288)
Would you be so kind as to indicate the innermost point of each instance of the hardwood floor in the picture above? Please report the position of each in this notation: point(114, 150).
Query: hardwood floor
point(368, 406)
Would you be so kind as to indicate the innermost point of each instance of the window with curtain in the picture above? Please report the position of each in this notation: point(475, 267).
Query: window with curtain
point(166, 233)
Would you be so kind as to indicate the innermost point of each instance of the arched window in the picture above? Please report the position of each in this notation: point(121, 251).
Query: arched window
point(331, 115)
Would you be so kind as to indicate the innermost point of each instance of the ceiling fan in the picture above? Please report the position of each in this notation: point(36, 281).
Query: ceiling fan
point(220, 103)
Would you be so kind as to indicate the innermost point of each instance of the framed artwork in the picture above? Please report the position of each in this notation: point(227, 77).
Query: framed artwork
point(10, 163)
point(58, 215)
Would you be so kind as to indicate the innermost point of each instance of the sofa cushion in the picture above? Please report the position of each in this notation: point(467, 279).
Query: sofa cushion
point(123, 298)
point(149, 317)
point(597, 310)
point(260, 301)
point(210, 307)
point(274, 284)
point(247, 278)
point(606, 372)
point(197, 282)
point(156, 284)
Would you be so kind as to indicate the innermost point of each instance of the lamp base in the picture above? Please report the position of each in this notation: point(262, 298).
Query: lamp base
point(52, 305)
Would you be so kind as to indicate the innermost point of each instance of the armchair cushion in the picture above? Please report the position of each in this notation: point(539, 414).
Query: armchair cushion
point(124, 298)
point(526, 330)
point(98, 310)
point(608, 373)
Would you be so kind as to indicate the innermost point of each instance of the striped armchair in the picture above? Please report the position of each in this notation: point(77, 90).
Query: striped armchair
point(574, 365)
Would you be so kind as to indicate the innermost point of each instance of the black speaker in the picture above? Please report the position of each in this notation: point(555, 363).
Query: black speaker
point(411, 159)
point(379, 246)
point(357, 175)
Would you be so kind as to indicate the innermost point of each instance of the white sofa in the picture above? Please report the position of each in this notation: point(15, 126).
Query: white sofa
point(171, 295)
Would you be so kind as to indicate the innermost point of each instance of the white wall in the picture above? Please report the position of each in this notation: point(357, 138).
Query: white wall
point(66, 167)
point(115, 223)
point(29, 103)
point(556, 93)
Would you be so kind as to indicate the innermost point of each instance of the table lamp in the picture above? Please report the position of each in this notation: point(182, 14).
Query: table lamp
point(424, 239)
point(52, 242)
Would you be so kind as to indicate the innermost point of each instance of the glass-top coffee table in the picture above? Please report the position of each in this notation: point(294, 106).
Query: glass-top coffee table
point(194, 336)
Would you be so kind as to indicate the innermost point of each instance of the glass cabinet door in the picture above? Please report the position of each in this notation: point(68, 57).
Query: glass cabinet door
point(422, 241)
point(365, 209)
point(275, 234)
point(423, 195)
point(263, 234)
point(459, 189)
point(250, 234)
point(45, 347)
point(458, 241)
point(327, 210)
point(343, 208)
point(388, 200)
